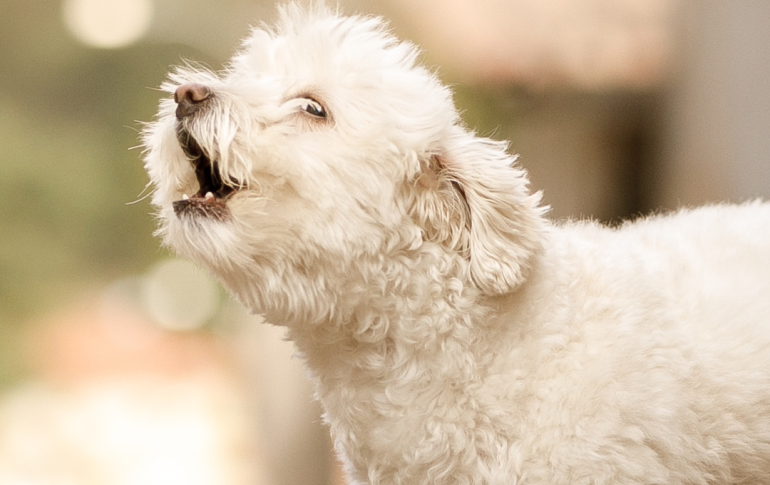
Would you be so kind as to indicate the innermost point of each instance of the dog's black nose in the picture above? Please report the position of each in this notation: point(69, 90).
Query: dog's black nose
point(189, 98)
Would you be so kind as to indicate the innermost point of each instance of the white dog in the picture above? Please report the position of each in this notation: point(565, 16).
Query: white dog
point(454, 334)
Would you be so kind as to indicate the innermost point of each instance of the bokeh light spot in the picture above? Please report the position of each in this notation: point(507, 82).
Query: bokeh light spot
point(179, 296)
point(108, 24)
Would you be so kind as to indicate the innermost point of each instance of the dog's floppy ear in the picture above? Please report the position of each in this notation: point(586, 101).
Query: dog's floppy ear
point(471, 197)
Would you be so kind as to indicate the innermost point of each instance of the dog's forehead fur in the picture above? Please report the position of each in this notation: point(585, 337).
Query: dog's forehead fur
point(368, 79)
point(329, 45)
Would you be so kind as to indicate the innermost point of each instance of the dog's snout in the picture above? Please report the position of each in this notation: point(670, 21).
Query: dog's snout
point(189, 98)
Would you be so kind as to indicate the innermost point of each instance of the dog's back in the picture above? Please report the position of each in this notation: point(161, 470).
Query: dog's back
point(647, 350)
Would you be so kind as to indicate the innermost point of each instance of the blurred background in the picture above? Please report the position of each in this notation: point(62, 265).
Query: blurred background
point(121, 365)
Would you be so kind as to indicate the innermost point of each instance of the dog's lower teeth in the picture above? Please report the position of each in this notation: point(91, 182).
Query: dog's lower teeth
point(209, 196)
point(185, 197)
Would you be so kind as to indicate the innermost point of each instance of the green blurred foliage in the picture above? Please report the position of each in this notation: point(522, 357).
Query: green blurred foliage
point(68, 121)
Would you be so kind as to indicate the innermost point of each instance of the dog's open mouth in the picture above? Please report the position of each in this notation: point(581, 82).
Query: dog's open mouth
point(211, 198)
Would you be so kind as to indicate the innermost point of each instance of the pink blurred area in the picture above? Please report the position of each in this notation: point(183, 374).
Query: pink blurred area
point(587, 44)
point(114, 399)
point(103, 338)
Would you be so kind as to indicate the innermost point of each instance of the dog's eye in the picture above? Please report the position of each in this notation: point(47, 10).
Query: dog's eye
point(313, 107)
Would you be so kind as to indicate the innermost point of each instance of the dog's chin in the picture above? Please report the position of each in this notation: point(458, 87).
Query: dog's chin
point(210, 201)
point(193, 208)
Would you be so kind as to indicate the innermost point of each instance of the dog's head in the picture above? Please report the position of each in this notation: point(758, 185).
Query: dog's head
point(323, 141)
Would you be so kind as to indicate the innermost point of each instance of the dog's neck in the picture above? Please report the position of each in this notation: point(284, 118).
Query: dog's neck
point(406, 303)
point(414, 301)
point(377, 335)
point(386, 364)
point(408, 298)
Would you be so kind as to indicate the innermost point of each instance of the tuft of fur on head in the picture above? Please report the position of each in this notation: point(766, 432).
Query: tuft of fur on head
point(389, 164)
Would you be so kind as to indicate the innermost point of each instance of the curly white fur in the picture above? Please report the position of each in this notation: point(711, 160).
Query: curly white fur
point(454, 334)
